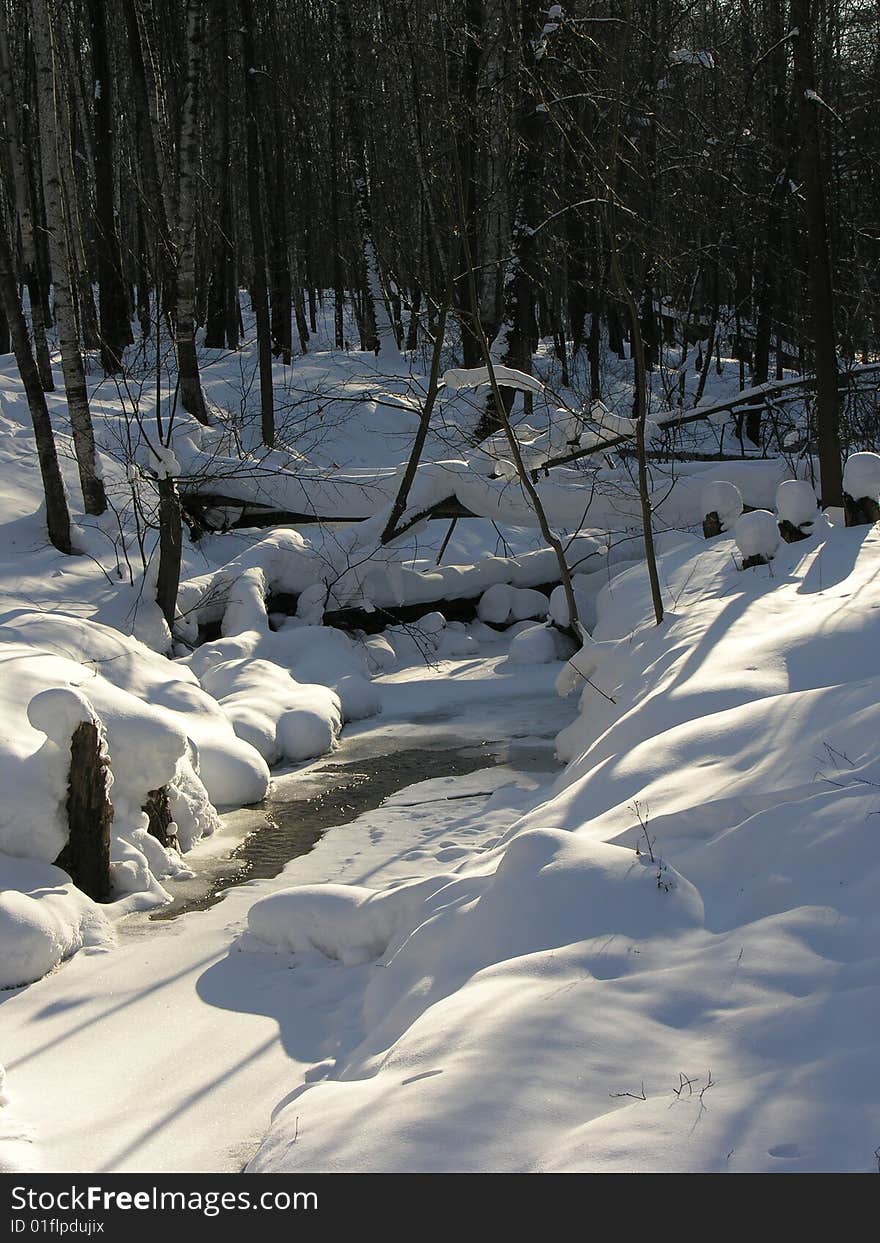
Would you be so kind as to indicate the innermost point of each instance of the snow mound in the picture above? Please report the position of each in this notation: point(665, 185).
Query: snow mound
point(723, 499)
point(161, 728)
point(757, 534)
point(43, 920)
point(861, 476)
point(796, 503)
point(270, 710)
point(536, 645)
point(503, 603)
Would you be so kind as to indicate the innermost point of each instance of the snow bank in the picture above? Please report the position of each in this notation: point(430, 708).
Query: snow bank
point(287, 692)
point(162, 729)
point(564, 1001)
point(43, 920)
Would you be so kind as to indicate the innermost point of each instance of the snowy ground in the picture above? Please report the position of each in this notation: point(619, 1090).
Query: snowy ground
point(665, 959)
point(573, 1003)
point(171, 1051)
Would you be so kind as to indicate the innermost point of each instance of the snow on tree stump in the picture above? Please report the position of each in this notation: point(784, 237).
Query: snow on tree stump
point(861, 489)
point(86, 857)
point(722, 504)
point(757, 538)
point(160, 819)
point(796, 510)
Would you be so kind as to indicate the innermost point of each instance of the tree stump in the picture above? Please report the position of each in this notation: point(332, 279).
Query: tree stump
point(757, 558)
point(86, 857)
point(712, 525)
point(159, 813)
point(790, 533)
point(862, 512)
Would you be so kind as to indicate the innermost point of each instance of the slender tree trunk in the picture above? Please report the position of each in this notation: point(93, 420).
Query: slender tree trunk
point(19, 162)
point(94, 497)
point(259, 294)
point(57, 515)
point(170, 549)
point(115, 328)
point(192, 398)
point(821, 281)
point(468, 282)
point(220, 329)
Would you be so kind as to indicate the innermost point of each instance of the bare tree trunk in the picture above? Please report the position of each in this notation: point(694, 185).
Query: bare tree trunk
point(115, 328)
point(18, 161)
point(170, 549)
point(821, 282)
point(412, 465)
point(259, 295)
point(57, 515)
point(191, 396)
point(94, 497)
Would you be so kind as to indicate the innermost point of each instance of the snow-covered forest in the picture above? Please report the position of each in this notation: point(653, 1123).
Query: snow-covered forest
point(439, 586)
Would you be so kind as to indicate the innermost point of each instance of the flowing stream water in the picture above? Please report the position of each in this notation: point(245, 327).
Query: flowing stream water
point(356, 778)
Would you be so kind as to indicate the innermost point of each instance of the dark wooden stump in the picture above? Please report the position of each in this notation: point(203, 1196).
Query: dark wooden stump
point(749, 563)
point(863, 512)
point(86, 857)
point(159, 813)
point(712, 525)
point(790, 533)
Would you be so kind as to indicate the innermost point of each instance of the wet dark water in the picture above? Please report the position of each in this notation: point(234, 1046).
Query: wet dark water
point(346, 790)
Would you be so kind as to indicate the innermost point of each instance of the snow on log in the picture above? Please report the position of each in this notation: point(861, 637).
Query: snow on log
point(472, 377)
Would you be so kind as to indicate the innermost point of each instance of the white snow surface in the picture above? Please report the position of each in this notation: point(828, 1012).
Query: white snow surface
point(473, 977)
point(564, 1002)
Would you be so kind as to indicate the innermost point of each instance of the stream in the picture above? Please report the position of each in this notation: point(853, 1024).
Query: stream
point(358, 777)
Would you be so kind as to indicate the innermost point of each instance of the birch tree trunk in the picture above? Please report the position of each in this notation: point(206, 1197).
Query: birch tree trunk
point(94, 497)
point(821, 282)
point(259, 294)
point(18, 162)
point(191, 396)
point(57, 514)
